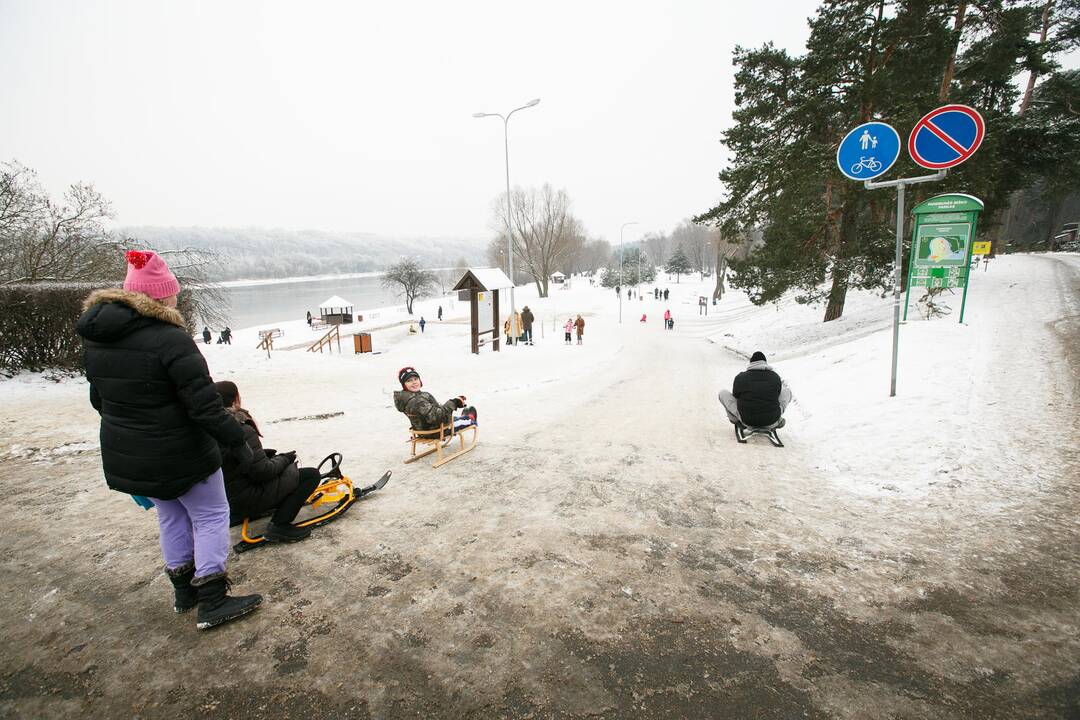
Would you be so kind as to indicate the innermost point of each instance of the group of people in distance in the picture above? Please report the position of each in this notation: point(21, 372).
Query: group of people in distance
point(172, 435)
point(225, 338)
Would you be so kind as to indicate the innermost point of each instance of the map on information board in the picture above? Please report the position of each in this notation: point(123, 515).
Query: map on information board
point(941, 245)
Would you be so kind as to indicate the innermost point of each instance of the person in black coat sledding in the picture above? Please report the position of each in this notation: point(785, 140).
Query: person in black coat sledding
point(163, 430)
point(758, 397)
point(272, 481)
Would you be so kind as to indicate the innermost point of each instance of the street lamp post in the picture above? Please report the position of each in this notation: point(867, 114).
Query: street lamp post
point(640, 246)
point(509, 222)
point(624, 226)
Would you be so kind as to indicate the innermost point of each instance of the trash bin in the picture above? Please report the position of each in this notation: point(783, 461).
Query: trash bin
point(361, 343)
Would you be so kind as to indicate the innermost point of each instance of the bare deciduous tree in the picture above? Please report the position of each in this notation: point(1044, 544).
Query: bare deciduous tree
point(696, 241)
point(413, 280)
point(545, 231)
point(44, 240)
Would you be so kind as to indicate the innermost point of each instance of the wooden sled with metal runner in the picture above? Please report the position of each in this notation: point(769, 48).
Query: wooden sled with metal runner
point(439, 439)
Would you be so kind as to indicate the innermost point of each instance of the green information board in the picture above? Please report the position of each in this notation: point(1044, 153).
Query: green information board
point(941, 244)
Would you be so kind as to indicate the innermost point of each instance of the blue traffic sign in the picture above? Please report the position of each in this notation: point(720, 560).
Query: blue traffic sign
point(946, 137)
point(868, 151)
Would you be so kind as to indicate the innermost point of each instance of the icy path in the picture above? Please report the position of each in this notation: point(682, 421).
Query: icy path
point(608, 549)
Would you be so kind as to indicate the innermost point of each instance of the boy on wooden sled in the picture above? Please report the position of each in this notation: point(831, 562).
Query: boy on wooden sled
point(424, 411)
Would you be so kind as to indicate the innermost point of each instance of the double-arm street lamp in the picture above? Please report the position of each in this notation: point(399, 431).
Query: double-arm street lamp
point(509, 221)
point(624, 226)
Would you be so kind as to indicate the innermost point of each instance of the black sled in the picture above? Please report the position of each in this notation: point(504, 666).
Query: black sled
point(744, 431)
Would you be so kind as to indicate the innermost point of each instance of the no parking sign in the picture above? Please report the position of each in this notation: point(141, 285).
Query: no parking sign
point(946, 137)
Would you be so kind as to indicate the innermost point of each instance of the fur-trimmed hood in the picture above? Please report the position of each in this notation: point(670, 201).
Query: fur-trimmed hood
point(112, 313)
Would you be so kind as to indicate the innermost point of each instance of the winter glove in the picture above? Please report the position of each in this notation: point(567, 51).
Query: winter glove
point(270, 452)
point(459, 402)
point(291, 455)
point(243, 455)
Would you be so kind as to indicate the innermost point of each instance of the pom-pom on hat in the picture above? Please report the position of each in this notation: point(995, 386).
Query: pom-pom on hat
point(147, 273)
point(408, 372)
point(758, 356)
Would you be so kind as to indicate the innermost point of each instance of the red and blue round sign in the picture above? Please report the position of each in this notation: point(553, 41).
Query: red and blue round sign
point(946, 137)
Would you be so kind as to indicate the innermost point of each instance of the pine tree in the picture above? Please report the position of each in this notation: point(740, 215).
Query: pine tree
point(678, 264)
point(818, 226)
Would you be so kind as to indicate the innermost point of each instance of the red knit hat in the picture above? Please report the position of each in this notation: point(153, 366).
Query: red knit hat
point(147, 273)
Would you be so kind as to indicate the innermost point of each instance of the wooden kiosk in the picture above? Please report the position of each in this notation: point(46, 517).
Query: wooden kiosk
point(483, 286)
point(336, 310)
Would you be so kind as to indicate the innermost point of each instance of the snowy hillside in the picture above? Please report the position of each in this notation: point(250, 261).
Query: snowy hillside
point(900, 557)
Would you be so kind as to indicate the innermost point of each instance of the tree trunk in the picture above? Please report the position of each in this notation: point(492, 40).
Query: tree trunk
point(721, 265)
point(950, 67)
point(840, 272)
point(1034, 75)
point(837, 294)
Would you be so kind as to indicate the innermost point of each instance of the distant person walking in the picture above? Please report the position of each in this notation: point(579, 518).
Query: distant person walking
point(161, 426)
point(580, 325)
point(423, 322)
point(226, 335)
point(665, 293)
point(667, 320)
point(568, 329)
point(308, 317)
point(527, 323)
point(206, 335)
point(440, 313)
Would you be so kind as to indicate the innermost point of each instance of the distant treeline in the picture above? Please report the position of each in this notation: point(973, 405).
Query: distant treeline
point(263, 253)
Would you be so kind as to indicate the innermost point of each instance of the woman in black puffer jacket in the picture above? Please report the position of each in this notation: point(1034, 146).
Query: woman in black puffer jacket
point(271, 481)
point(163, 430)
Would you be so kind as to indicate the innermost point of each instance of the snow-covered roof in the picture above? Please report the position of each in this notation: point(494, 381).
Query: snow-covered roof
point(335, 302)
point(487, 278)
point(557, 274)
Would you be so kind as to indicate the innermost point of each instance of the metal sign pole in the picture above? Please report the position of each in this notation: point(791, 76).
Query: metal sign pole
point(896, 285)
point(900, 211)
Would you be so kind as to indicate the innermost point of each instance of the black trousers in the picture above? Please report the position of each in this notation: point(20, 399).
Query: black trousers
point(291, 503)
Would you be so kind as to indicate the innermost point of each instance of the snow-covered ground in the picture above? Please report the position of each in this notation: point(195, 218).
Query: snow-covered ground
point(608, 492)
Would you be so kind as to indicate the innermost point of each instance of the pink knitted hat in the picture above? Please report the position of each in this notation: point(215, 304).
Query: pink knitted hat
point(147, 273)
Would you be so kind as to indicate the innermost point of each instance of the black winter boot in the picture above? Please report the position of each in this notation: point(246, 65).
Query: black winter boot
point(215, 605)
point(186, 596)
point(286, 532)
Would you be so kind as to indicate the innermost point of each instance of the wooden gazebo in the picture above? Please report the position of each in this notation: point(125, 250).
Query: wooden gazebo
point(483, 286)
point(336, 310)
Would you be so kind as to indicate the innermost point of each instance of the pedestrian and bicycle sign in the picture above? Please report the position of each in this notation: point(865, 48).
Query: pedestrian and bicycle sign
point(946, 137)
point(868, 151)
point(943, 138)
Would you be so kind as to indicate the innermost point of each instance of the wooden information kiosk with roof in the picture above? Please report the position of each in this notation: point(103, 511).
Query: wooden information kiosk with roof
point(483, 286)
point(336, 310)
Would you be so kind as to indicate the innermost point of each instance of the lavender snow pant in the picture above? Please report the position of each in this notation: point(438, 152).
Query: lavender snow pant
point(195, 526)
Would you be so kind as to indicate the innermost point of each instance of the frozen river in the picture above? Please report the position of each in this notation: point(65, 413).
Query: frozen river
point(261, 303)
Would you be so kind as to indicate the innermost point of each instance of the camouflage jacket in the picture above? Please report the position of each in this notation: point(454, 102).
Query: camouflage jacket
point(423, 410)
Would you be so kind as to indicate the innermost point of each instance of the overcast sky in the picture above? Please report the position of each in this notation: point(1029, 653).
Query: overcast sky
point(358, 116)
